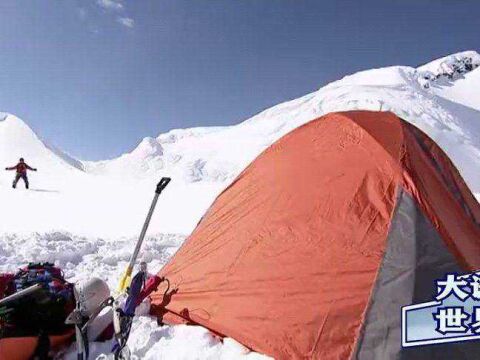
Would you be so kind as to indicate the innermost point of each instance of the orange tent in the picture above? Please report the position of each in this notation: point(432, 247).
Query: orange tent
point(311, 252)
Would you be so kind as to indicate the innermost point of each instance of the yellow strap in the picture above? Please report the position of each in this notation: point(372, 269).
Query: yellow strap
point(125, 281)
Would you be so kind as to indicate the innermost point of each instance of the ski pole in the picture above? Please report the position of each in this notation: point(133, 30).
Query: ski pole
point(20, 294)
point(125, 281)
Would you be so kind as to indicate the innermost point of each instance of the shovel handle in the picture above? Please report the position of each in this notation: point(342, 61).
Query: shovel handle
point(162, 184)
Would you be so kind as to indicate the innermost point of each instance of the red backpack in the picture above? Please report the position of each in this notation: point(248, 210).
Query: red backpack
point(42, 311)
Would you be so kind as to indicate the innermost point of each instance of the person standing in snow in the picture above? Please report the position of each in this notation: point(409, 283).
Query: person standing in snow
point(21, 169)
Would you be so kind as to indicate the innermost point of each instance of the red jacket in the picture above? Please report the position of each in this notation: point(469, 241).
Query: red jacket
point(21, 168)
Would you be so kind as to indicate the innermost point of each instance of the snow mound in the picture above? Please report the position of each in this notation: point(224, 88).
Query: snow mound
point(219, 154)
point(18, 140)
point(389, 76)
point(462, 90)
point(454, 77)
point(145, 160)
point(82, 257)
point(451, 66)
point(151, 342)
point(148, 341)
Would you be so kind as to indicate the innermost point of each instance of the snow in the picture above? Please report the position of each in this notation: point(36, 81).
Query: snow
point(16, 136)
point(218, 154)
point(85, 215)
point(451, 63)
point(153, 342)
point(181, 341)
point(462, 90)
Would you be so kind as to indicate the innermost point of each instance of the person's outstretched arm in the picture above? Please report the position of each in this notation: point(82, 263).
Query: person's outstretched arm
point(11, 168)
point(30, 168)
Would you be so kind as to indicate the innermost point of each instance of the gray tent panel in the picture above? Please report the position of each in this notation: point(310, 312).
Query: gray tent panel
point(415, 257)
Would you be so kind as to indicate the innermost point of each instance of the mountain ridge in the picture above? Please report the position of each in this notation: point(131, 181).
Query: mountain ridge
point(433, 96)
point(423, 81)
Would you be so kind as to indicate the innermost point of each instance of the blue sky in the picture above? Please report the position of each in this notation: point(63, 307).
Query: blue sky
point(94, 77)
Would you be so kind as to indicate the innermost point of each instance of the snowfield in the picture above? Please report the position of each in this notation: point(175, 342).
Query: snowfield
point(85, 215)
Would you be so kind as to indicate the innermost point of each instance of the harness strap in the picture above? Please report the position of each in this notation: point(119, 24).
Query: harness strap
point(43, 347)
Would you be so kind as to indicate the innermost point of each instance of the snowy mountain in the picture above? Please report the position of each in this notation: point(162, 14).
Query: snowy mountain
point(439, 97)
point(85, 215)
point(64, 196)
point(451, 67)
point(19, 140)
point(462, 90)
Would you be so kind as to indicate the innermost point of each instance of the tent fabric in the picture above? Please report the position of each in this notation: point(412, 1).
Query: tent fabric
point(415, 257)
point(290, 258)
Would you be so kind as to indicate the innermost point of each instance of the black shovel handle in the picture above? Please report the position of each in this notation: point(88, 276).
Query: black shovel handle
point(162, 184)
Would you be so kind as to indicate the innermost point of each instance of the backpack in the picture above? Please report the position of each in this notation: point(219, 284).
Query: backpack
point(42, 312)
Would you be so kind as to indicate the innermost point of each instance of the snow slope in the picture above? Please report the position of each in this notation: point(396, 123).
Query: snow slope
point(18, 140)
point(463, 90)
point(439, 97)
point(452, 66)
point(455, 77)
point(85, 215)
point(64, 197)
